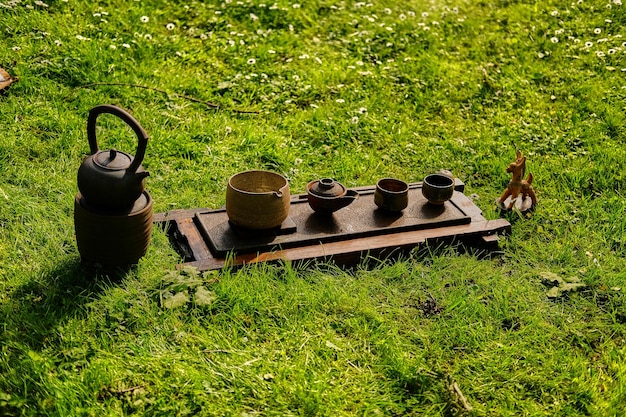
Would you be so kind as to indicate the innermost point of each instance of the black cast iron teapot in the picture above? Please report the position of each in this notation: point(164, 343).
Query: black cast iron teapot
point(112, 180)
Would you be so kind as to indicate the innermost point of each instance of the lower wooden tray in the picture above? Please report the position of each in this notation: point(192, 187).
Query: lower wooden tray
point(207, 241)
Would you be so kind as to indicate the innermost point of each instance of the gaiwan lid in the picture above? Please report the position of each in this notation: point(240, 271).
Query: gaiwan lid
point(113, 160)
point(327, 187)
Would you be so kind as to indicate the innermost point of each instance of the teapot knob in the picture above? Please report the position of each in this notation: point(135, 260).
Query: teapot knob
point(327, 183)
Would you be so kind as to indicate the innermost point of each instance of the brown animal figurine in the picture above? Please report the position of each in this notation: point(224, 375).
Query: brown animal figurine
point(518, 185)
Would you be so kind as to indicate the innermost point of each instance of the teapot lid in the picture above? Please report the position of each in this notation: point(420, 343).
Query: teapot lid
point(113, 159)
point(327, 187)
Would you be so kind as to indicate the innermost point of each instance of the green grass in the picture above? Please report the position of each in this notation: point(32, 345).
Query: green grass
point(356, 91)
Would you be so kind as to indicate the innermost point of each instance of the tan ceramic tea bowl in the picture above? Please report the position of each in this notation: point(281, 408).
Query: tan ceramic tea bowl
point(257, 199)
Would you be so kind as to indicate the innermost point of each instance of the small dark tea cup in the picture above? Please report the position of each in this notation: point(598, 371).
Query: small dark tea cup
point(391, 194)
point(438, 188)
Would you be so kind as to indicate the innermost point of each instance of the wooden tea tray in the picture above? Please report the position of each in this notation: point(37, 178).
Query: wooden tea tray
point(206, 240)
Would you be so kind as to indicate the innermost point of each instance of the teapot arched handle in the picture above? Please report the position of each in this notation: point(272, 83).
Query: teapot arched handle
point(142, 136)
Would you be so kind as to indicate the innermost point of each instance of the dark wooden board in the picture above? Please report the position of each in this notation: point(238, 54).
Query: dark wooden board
point(206, 240)
point(304, 227)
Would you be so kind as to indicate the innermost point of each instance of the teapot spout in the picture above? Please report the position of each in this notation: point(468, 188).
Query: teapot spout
point(350, 197)
point(141, 175)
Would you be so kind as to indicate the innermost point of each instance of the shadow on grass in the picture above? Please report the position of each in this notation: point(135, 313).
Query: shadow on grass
point(457, 247)
point(435, 248)
point(431, 390)
point(33, 310)
point(423, 253)
point(32, 339)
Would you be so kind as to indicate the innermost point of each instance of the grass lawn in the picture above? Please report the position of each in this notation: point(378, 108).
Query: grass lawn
point(352, 90)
